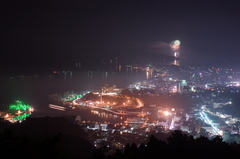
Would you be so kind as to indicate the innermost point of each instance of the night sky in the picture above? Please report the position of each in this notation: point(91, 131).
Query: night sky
point(44, 35)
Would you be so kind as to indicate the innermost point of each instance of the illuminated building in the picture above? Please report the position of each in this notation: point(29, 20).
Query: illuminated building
point(111, 90)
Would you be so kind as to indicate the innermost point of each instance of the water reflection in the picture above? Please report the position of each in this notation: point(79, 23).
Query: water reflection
point(107, 116)
point(149, 74)
point(96, 115)
point(176, 62)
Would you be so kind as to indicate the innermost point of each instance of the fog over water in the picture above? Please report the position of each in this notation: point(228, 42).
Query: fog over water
point(36, 91)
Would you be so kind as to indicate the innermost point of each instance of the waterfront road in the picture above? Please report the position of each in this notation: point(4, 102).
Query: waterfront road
point(78, 102)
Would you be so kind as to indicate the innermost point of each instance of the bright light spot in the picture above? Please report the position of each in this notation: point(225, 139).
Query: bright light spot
point(31, 109)
point(18, 112)
point(166, 113)
point(220, 132)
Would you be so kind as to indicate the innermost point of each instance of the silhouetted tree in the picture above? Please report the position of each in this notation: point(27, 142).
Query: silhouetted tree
point(142, 151)
point(127, 151)
point(180, 145)
point(133, 150)
point(118, 154)
point(155, 146)
point(101, 152)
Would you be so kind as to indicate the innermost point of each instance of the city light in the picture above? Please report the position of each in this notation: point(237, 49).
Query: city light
point(18, 112)
point(207, 120)
point(166, 113)
point(150, 99)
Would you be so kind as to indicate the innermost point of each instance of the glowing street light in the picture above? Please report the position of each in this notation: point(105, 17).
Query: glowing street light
point(7, 115)
point(166, 113)
point(31, 109)
point(19, 112)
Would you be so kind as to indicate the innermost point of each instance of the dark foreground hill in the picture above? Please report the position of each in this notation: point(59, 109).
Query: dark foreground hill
point(59, 138)
point(176, 146)
point(45, 137)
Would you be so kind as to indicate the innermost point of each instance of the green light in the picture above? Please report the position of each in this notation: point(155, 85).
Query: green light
point(22, 116)
point(75, 97)
point(19, 105)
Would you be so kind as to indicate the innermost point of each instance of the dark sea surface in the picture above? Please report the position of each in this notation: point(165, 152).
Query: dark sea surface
point(35, 91)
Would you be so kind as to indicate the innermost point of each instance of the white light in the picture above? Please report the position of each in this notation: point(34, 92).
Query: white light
point(166, 113)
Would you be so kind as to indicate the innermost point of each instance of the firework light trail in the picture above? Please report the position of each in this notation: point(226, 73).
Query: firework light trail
point(175, 46)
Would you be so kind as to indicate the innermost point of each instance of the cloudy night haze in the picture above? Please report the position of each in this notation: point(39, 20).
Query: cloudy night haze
point(120, 79)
